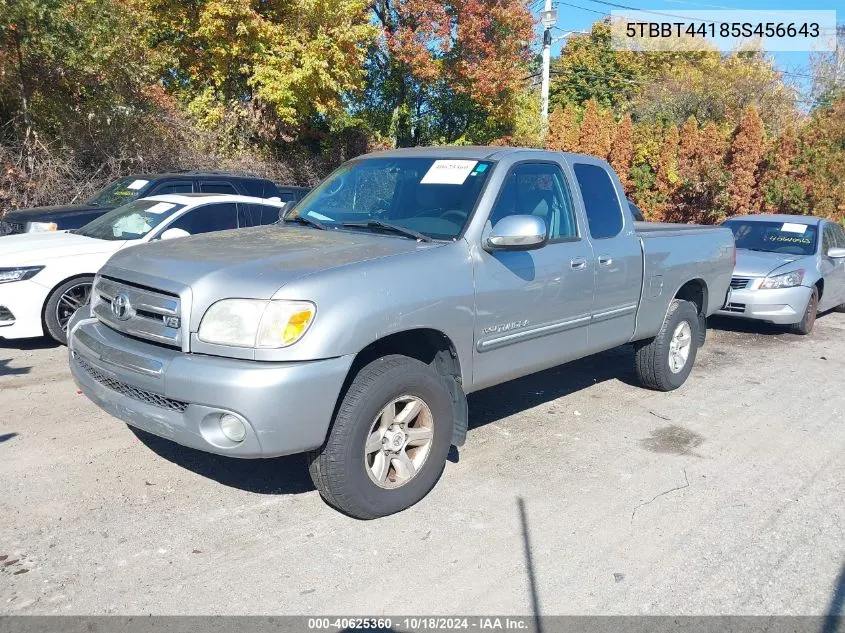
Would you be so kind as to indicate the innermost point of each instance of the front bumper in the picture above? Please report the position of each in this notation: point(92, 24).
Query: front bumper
point(21, 304)
point(783, 306)
point(286, 407)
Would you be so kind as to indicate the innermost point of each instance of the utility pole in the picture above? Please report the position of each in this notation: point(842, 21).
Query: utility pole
point(548, 17)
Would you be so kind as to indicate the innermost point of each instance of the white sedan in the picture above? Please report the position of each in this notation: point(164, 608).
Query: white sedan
point(46, 277)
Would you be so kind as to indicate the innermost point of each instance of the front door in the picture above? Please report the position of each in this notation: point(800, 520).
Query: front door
point(533, 307)
point(832, 269)
point(619, 263)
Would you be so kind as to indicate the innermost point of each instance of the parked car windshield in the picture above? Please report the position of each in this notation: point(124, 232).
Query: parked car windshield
point(793, 238)
point(131, 221)
point(430, 196)
point(119, 192)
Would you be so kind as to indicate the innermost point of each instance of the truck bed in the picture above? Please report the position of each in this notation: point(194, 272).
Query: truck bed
point(673, 254)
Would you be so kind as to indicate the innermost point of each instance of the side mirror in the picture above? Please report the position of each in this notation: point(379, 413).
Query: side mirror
point(517, 233)
point(172, 234)
point(836, 253)
point(284, 209)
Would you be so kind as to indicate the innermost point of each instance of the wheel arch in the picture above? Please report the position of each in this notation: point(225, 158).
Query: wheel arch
point(696, 292)
point(430, 346)
point(52, 290)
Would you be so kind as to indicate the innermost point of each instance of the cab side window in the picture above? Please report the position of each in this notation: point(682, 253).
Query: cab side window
point(179, 186)
point(604, 215)
point(218, 187)
point(538, 189)
point(208, 218)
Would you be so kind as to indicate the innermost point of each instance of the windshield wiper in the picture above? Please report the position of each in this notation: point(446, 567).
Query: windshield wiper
point(302, 219)
point(378, 224)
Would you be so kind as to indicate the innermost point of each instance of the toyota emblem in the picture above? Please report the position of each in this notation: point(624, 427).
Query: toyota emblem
point(120, 307)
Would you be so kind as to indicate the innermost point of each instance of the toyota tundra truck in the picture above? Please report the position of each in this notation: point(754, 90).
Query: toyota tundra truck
point(354, 329)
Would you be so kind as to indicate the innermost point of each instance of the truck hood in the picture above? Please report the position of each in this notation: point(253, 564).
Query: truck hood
point(37, 248)
point(760, 264)
point(51, 214)
point(251, 263)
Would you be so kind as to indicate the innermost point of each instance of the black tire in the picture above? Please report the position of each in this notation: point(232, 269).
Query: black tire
point(652, 356)
point(805, 325)
point(339, 469)
point(58, 311)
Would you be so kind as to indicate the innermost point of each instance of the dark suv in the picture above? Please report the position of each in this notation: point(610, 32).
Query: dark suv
point(74, 216)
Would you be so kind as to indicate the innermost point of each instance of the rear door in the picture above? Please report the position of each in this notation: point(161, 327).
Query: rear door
point(533, 307)
point(618, 270)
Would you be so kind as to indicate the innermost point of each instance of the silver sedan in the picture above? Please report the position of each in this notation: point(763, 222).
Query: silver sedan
point(788, 269)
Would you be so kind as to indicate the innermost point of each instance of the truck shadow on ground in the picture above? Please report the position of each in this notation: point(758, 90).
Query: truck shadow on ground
point(496, 403)
point(289, 475)
point(5, 370)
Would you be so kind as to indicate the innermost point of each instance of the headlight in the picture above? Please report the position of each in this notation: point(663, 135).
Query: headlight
point(41, 227)
point(8, 275)
point(256, 323)
point(787, 280)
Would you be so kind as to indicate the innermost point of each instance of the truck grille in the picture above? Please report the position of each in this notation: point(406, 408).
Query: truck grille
point(738, 283)
point(141, 395)
point(148, 314)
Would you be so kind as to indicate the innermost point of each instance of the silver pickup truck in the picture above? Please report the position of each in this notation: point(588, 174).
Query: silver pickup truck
point(355, 328)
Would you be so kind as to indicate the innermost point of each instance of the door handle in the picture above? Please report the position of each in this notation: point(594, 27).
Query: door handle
point(578, 263)
point(605, 260)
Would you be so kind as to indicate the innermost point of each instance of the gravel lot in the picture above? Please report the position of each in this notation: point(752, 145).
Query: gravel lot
point(725, 497)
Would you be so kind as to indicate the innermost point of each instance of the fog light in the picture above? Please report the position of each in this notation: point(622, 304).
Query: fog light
point(232, 427)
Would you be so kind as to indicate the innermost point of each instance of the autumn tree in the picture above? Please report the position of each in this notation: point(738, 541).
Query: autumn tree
point(821, 161)
point(622, 151)
point(746, 152)
point(441, 70)
point(281, 64)
point(563, 130)
point(666, 180)
point(689, 149)
point(595, 137)
point(782, 190)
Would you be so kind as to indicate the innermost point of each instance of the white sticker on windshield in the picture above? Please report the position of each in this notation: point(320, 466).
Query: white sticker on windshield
point(448, 172)
point(160, 208)
point(137, 184)
point(793, 228)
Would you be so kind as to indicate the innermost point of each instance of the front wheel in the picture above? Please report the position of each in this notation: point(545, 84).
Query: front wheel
point(62, 303)
point(805, 325)
point(664, 362)
point(389, 439)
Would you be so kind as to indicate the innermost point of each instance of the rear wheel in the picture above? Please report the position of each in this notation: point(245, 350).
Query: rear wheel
point(389, 440)
point(665, 362)
point(805, 325)
point(63, 302)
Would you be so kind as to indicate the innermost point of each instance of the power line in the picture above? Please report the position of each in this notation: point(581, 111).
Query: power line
point(575, 6)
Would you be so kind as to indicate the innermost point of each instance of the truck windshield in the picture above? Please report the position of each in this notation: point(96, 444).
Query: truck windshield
point(132, 221)
point(119, 192)
point(791, 238)
point(430, 196)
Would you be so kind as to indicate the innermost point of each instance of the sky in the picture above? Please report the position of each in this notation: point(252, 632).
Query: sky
point(577, 19)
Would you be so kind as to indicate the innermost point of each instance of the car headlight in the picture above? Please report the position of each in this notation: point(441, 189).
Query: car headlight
point(8, 275)
point(786, 280)
point(41, 227)
point(256, 323)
